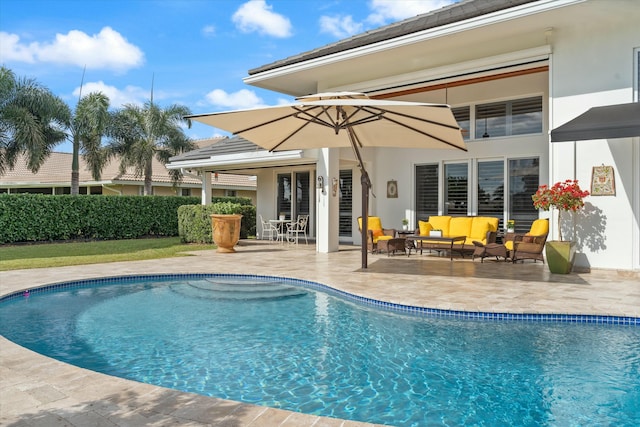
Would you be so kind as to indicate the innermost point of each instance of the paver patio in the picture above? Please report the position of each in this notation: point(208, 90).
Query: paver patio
point(39, 391)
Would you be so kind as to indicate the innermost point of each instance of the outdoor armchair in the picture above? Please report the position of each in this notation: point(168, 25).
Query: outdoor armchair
point(529, 245)
point(376, 232)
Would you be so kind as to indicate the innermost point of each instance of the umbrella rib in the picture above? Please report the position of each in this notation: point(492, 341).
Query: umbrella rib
point(444, 141)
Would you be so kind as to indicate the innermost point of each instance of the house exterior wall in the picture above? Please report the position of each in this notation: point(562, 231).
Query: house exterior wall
point(602, 56)
point(403, 161)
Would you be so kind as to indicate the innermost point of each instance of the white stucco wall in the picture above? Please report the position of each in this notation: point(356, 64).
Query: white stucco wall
point(593, 66)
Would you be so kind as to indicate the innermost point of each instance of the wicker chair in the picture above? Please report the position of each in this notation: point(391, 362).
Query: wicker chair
point(376, 232)
point(529, 245)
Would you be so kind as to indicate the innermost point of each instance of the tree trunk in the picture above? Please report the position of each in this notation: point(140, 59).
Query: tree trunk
point(75, 168)
point(148, 175)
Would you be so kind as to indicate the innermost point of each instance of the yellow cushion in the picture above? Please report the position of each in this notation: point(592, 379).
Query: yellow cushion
point(479, 229)
point(509, 245)
point(539, 227)
point(377, 233)
point(424, 227)
point(493, 222)
point(383, 237)
point(374, 223)
point(440, 223)
point(460, 226)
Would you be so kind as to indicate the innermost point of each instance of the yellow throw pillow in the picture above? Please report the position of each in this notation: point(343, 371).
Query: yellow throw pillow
point(440, 223)
point(424, 227)
point(539, 227)
point(479, 229)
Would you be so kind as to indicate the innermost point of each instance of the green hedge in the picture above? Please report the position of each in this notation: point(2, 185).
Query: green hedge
point(37, 217)
point(194, 221)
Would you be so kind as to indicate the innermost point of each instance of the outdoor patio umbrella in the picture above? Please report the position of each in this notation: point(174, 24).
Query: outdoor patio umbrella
point(343, 119)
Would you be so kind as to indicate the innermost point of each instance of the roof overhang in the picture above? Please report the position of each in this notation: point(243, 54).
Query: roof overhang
point(243, 161)
point(607, 122)
point(458, 44)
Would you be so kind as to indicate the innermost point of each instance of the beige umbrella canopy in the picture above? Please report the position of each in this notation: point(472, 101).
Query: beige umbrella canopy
point(343, 119)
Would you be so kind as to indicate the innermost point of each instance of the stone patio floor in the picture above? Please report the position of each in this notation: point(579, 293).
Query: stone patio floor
point(39, 391)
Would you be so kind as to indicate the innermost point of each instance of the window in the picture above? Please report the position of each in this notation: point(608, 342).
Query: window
point(294, 194)
point(517, 117)
point(185, 192)
point(284, 195)
point(523, 183)
point(463, 117)
point(230, 193)
point(491, 189)
point(346, 203)
point(456, 190)
point(302, 194)
point(426, 191)
point(636, 67)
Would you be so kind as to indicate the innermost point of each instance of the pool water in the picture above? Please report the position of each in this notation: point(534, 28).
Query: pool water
point(276, 343)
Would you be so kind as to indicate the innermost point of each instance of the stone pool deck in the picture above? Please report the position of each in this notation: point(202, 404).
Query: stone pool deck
point(38, 391)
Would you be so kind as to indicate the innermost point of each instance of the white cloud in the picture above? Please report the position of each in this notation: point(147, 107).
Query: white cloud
point(117, 97)
point(256, 15)
point(12, 50)
point(339, 26)
point(209, 31)
point(105, 50)
point(242, 99)
point(386, 11)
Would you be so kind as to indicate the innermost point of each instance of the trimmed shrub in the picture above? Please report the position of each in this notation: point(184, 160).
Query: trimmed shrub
point(194, 222)
point(39, 217)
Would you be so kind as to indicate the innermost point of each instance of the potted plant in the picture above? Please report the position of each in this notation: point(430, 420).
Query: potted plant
point(225, 225)
point(565, 196)
point(405, 224)
point(511, 226)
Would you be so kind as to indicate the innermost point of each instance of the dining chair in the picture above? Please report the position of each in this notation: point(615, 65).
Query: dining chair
point(297, 228)
point(269, 230)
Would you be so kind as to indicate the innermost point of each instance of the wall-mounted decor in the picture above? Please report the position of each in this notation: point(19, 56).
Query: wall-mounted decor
point(392, 189)
point(603, 182)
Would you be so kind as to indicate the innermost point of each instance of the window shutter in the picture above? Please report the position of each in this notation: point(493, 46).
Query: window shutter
point(426, 191)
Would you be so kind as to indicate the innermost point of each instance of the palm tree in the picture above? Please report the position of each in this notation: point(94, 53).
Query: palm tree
point(141, 133)
point(88, 125)
point(32, 121)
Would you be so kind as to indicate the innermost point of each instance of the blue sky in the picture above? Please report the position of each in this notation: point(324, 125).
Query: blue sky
point(196, 51)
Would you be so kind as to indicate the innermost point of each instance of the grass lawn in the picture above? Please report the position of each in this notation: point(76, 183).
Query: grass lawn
point(14, 257)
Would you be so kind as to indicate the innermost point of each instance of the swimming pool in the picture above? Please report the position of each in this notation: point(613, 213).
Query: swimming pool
point(298, 346)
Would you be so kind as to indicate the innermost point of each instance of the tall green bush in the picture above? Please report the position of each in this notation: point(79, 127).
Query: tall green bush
point(39, 217)
point(194, 222)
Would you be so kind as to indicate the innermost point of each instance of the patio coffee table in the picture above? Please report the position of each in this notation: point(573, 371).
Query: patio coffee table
point(417, 240)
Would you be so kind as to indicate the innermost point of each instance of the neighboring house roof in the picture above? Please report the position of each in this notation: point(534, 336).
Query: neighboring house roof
point(456, 12)
point(56, 171)
point(223, 146)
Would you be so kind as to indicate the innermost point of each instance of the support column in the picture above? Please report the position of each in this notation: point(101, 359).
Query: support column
point(206, 188)
point(327, 201)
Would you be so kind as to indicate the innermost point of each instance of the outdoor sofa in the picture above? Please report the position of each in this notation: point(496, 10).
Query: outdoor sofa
point(475, 228)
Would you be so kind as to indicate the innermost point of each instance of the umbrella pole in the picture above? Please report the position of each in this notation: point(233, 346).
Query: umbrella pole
point(366, 186)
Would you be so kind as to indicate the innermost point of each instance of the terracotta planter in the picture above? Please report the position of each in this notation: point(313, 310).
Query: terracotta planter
point(560, 256)
point(226, 231)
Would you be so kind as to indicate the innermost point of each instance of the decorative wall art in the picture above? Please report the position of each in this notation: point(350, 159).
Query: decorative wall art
point(392, 189)
point(603, 181)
